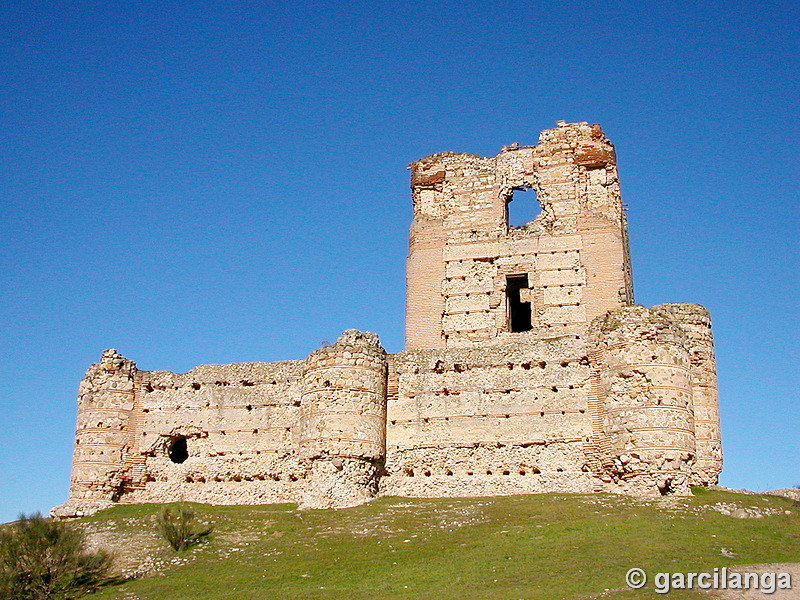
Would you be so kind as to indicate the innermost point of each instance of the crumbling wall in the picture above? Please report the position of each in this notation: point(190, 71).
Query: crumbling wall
point(696, 324)
point(239, 424)
point(645, 375)
point(220, 434)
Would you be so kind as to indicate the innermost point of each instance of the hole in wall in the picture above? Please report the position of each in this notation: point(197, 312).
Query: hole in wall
point(178, 452)
point(522, 207)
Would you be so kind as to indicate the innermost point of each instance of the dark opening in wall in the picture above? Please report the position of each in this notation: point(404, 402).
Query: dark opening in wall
point(177, 450)
point(521, 207)
point(519, 312)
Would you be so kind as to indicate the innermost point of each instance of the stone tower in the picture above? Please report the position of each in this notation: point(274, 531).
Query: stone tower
point(472, 277)
point(343, 421)
point(103, 436)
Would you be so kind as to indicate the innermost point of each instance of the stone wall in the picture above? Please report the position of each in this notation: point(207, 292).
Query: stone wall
point(527, 369)
point(102, 437)
point(645, 378)
point(499, 420)
point(219, 433)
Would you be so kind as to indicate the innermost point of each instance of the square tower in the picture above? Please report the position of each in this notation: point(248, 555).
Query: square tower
point(475, 278)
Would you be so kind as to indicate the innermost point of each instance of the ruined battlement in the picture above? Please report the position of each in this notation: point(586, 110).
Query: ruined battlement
point(527, 368)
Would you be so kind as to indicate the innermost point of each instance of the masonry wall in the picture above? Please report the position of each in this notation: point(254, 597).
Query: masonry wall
point(645, 375)
point(102, 436)
point(239, 423)
point(507, 419)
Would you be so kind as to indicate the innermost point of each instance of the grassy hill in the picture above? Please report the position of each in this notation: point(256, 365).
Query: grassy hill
point(548, 546)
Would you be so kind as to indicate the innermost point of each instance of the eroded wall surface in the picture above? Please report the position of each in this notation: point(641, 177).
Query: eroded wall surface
point(527, 368)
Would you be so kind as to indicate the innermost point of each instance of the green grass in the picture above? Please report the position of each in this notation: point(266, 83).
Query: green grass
point(544, 546)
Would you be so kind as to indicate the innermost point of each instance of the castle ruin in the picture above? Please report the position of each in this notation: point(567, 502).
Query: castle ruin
point(527, 368)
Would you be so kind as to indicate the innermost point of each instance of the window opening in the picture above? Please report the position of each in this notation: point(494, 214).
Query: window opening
point(521, 207)
point(178, 452)
point(519, 305)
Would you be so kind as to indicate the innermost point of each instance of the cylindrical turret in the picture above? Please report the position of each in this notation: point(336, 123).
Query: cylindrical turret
point(343, 421)
point(696, 322)
point(105, 401)
point(645, 379)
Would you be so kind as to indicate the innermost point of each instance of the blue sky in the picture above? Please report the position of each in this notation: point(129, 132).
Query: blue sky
point(212, 182)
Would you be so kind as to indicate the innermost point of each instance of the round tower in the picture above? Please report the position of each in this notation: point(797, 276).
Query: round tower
point(696, 323)
point(645, 376)
point(105, 402)
point(343, 421)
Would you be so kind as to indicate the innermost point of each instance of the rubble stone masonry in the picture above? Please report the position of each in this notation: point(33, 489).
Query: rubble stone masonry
point(527, 368)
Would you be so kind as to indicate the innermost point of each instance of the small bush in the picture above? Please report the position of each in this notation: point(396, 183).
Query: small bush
point(177, 526)
point(43, 559)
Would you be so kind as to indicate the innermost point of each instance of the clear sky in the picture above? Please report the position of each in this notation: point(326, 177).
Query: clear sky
point(211, 182)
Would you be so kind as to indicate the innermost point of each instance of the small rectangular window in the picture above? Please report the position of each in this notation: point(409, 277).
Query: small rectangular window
point(519, 305)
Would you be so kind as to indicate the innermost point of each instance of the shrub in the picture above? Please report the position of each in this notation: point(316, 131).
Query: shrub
point(43, 559)
point(177, 526)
